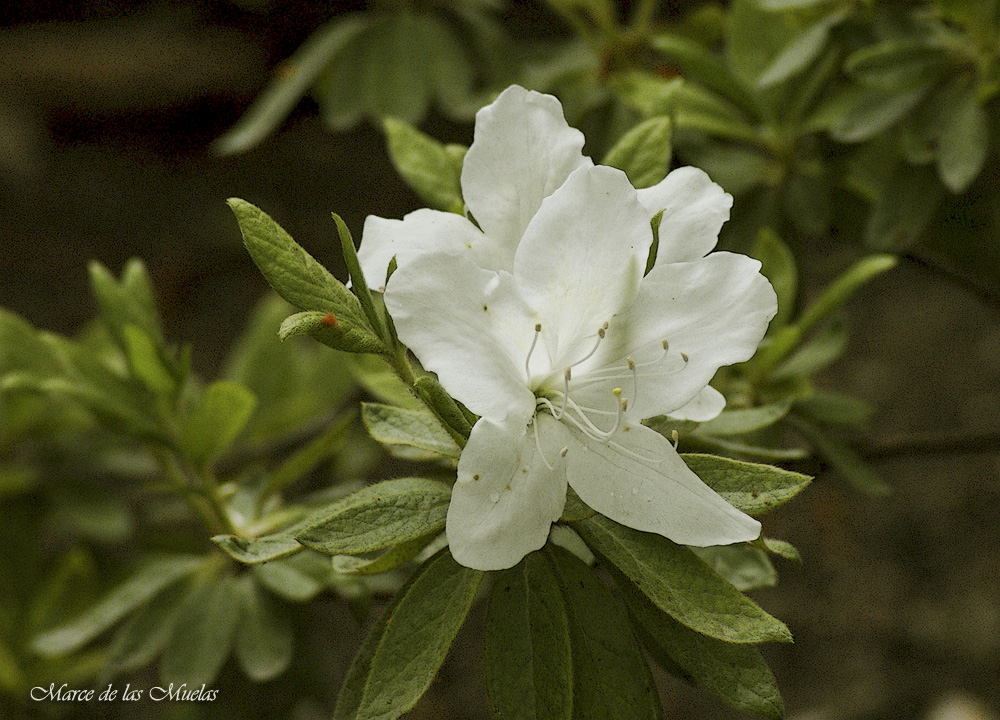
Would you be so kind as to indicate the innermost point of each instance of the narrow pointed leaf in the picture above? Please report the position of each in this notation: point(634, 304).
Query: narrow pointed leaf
point(610, 675)
point(332, 330)
point(146, 632)
point(746, 567)
point(844, 460)
point(750, 487)
point(379, 516)
point(739, 422)
point(143, 584)
point(260, 549)
point(529, 674)
point(417, 637)
point(778, 266)
point(820, 351)
point(735, 673)
point(391, 559)
point(680, 584)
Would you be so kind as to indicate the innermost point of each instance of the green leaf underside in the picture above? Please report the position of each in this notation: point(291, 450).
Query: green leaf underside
point(379, 516)
point(680, 584)
point(529, 673)
point(735, 673)
point(332, 330)
point(203, 635)
point(418, 632)
point(260, 549)
point(394, 557)
point(284, 578)
point(610, 675)
point(417, 428)
point(750, 487)
point(142, 585)
point(745, 566)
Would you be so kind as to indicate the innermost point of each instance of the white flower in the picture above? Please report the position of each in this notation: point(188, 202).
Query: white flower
point(544, 325)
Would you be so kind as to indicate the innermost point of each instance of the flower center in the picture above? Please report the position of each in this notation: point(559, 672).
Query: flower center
point(557, 401)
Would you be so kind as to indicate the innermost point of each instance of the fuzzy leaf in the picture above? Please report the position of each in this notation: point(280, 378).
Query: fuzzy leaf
point(417, 637)
point(397, 426)
point(737, 674)
point(331, 330)
point(750, 487)
point(529, 675)
point(680, 584)
point(379, 516)
point(744, 566)
point(610, 675)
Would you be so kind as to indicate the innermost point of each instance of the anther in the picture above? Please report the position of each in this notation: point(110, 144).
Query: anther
point(562, 453)
point(675, 438)
point(684, 357)
point(534, 341)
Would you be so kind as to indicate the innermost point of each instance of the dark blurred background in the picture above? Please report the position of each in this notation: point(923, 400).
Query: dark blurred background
point(107, 110)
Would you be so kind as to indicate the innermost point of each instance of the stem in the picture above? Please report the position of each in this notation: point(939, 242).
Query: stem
point(642, 18)
point(203, 498)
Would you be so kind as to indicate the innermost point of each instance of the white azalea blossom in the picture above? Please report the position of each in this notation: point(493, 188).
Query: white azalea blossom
point(538, 318)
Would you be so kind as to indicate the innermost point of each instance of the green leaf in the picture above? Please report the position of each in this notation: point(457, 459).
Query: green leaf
point(292, 582)
point(744, 566)
point(873, 111)
point(376, 376)
point(203, 634)
point(426, 165)
point(379, 516)
point(844, 460)
point(836, 408)
point(330, 330)
point(143, 636)
point(680, 584)
point(264, 640)
point(146, 361)
point(416, 639)
point(799, 53)
point(417, 428)
point(529, 675)
point(224, 410)
point(704, 67)
point(643, 152)
point(260, 549)
point(739, 422)
point(297, 277)
point(148, 580)
point(292, 79)
point(736, 674)
point(610, 675)
point(781, 548)
point(964, 143)
point(459, 423)
point(822, 350)
point(843, 288)
point(391, 559)
point(898, 64)
point(778, 266)
point(129, 301)
point(908, 202)
point(749, 487)
point(360, 283)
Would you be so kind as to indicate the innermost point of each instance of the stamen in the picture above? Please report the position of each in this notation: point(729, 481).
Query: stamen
point(534, 341)
point(538, 446)
point(566, 378)
point(675, 437)
point(562, 453)
point(601, 331)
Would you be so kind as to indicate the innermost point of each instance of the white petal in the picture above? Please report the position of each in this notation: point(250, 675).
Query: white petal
point(420, 232)
point(523, 150)
point(581, 258)
point(637, 479)
point(706, 405)
point(694, 210)
point(458, 319)
point(507, 495)
point(714, 310)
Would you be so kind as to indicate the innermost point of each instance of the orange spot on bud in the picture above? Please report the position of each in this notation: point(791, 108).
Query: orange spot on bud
point(329, 320)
